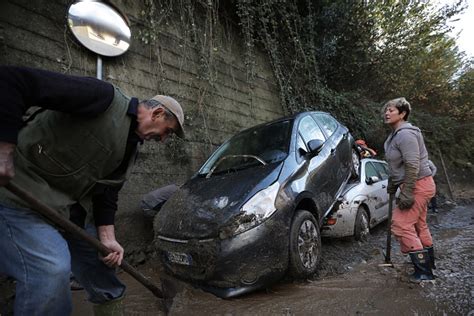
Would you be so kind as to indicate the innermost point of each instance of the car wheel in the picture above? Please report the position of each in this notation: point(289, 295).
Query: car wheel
point(305, 245)
point(361, 228)
point(355, 164)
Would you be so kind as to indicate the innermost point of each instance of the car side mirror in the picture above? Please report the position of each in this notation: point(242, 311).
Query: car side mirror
point(315, 145)
point(372, 180)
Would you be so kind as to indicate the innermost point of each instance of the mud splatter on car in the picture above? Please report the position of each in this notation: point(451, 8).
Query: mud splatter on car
point(254, 209)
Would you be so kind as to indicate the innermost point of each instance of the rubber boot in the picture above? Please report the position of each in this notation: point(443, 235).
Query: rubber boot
point(431, 255)
point(421, 262)
point(111, 308)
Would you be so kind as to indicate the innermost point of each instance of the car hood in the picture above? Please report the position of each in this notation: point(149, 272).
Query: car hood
point(349, 186)
point(201, 207)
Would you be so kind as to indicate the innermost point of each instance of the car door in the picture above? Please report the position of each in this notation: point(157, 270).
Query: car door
point(371, 189)
point(338, 137)
point(382, 170)
point(320, 166)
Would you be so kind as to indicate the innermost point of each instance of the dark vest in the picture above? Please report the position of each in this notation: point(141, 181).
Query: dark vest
point(60, 157)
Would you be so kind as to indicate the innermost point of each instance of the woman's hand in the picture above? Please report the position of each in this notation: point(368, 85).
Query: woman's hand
point(391, 187)
point(405, 200)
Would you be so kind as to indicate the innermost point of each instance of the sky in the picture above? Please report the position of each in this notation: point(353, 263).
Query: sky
point(464, 26)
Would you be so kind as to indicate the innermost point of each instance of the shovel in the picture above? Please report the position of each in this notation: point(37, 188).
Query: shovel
point(388, 261)
point(70, 227)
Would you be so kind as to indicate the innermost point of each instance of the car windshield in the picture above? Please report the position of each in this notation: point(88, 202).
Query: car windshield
point(268, 143)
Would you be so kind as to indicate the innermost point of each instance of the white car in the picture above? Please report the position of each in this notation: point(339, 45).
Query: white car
point(362, 205)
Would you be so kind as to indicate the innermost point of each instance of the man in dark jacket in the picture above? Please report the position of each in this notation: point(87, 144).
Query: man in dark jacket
point(74, 155)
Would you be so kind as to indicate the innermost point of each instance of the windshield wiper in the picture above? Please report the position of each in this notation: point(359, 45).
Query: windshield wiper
point(233, 156)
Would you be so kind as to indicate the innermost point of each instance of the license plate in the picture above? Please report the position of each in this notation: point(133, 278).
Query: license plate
point(179, 258)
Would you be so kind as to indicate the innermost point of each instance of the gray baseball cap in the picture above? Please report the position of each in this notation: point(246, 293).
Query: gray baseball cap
point(174, 107)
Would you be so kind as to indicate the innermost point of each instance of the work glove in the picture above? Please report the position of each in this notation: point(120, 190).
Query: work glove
point(406, 199)
point(392, 186)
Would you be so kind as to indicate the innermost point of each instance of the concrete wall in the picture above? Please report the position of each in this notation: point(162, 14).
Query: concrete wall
point(208, 76)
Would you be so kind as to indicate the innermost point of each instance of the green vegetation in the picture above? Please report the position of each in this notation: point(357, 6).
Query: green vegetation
point(349, 57)
point(344, 57)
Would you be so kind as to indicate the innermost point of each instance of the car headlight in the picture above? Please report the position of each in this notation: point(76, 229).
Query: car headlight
point(260, 207)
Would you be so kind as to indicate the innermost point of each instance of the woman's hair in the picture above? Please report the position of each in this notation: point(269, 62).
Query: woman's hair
point(401, 104)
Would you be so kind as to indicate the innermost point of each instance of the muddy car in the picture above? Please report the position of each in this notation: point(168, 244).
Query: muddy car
point(362, 205)
point(254, 209)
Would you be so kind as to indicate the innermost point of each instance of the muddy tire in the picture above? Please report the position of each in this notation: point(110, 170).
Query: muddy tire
point(355, 164)
point(305, 245)
point(361, 226)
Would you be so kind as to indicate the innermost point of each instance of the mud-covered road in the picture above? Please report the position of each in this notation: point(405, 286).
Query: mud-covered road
point(350, 281)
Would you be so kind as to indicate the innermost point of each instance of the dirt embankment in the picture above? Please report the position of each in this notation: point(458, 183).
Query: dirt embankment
point(350, 281)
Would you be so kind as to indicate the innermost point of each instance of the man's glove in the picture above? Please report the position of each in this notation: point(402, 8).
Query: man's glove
point(391, 187)
point(406, 200)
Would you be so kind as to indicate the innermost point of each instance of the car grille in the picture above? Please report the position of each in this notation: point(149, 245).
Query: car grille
point(202, 254)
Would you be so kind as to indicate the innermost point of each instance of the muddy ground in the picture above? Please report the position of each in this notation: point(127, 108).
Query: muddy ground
point(349, 282)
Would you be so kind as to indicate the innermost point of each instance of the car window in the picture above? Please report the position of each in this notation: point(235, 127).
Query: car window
point(309, 130)
point(268, 142)
point(370, 170)
point(381, 168)
point(300, 143)
point(327, 123)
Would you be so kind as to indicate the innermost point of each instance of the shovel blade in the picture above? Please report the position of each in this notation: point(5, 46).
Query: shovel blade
point(170, 287)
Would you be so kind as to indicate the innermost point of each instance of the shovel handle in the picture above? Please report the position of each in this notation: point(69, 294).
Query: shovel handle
point(72, 228)
point(389, 229)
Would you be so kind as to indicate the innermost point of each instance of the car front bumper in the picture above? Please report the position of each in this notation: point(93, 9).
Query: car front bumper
point(231, 266)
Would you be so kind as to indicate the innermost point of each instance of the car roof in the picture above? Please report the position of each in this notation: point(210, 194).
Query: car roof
point(297, 115)
point(281, 119)
point(284, 118)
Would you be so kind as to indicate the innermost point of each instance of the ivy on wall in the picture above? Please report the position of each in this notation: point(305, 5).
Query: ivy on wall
point(198, 20)
point(337, 56)
point(285, 30)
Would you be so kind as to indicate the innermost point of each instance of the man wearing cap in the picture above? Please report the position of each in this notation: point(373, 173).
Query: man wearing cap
point(74, 155)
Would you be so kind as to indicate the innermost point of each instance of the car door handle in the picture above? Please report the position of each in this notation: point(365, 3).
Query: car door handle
point(333, 151)
point(383, 186)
